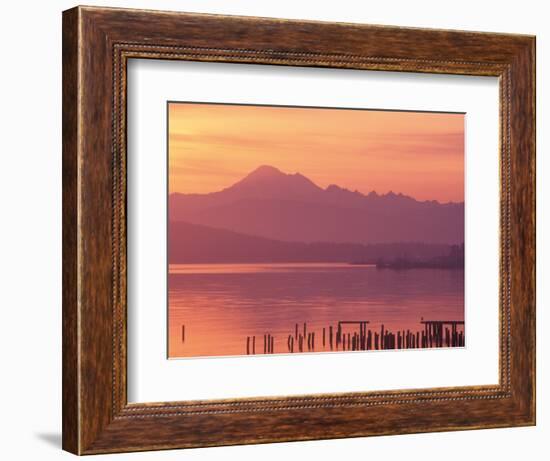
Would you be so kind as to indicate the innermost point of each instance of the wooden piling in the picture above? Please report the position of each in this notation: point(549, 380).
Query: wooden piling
point(437, 333)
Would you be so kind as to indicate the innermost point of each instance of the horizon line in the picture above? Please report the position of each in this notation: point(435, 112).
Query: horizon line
point(391, 192)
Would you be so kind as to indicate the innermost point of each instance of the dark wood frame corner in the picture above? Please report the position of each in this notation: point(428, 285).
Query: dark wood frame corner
point(97, 43)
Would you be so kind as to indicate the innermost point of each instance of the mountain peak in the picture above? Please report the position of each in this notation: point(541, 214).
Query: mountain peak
point(265, 172)
point(269, 182)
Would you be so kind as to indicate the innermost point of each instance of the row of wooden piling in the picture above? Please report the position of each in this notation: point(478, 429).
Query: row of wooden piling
point(434, 334)
point(269, 344)
point(440, 335)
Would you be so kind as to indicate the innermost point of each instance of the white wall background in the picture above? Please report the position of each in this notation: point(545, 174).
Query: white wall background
point(30, 230)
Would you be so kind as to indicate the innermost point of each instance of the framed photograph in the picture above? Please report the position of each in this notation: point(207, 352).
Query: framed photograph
point(284, 230)
point(260, 256)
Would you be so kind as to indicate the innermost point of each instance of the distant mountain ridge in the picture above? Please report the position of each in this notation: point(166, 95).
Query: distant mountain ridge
point(195, 244)
point(290, 207)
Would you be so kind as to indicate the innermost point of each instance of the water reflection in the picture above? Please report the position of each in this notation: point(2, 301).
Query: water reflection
point(220, 304)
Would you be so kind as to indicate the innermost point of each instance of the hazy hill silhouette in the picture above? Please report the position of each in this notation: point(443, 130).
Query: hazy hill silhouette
point(289, 207)
point(192, 243)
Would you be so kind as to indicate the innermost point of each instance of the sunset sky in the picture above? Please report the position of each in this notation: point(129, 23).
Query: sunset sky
point(212, 146)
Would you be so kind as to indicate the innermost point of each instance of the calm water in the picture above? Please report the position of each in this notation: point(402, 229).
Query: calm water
point(221, 304)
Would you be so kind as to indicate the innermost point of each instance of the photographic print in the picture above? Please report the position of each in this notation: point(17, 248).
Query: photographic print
point(313, 230)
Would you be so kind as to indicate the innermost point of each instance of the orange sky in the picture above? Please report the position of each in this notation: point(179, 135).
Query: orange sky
point(212, 146)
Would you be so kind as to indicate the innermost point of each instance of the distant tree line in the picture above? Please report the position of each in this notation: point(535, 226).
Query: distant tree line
point(453, 260)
